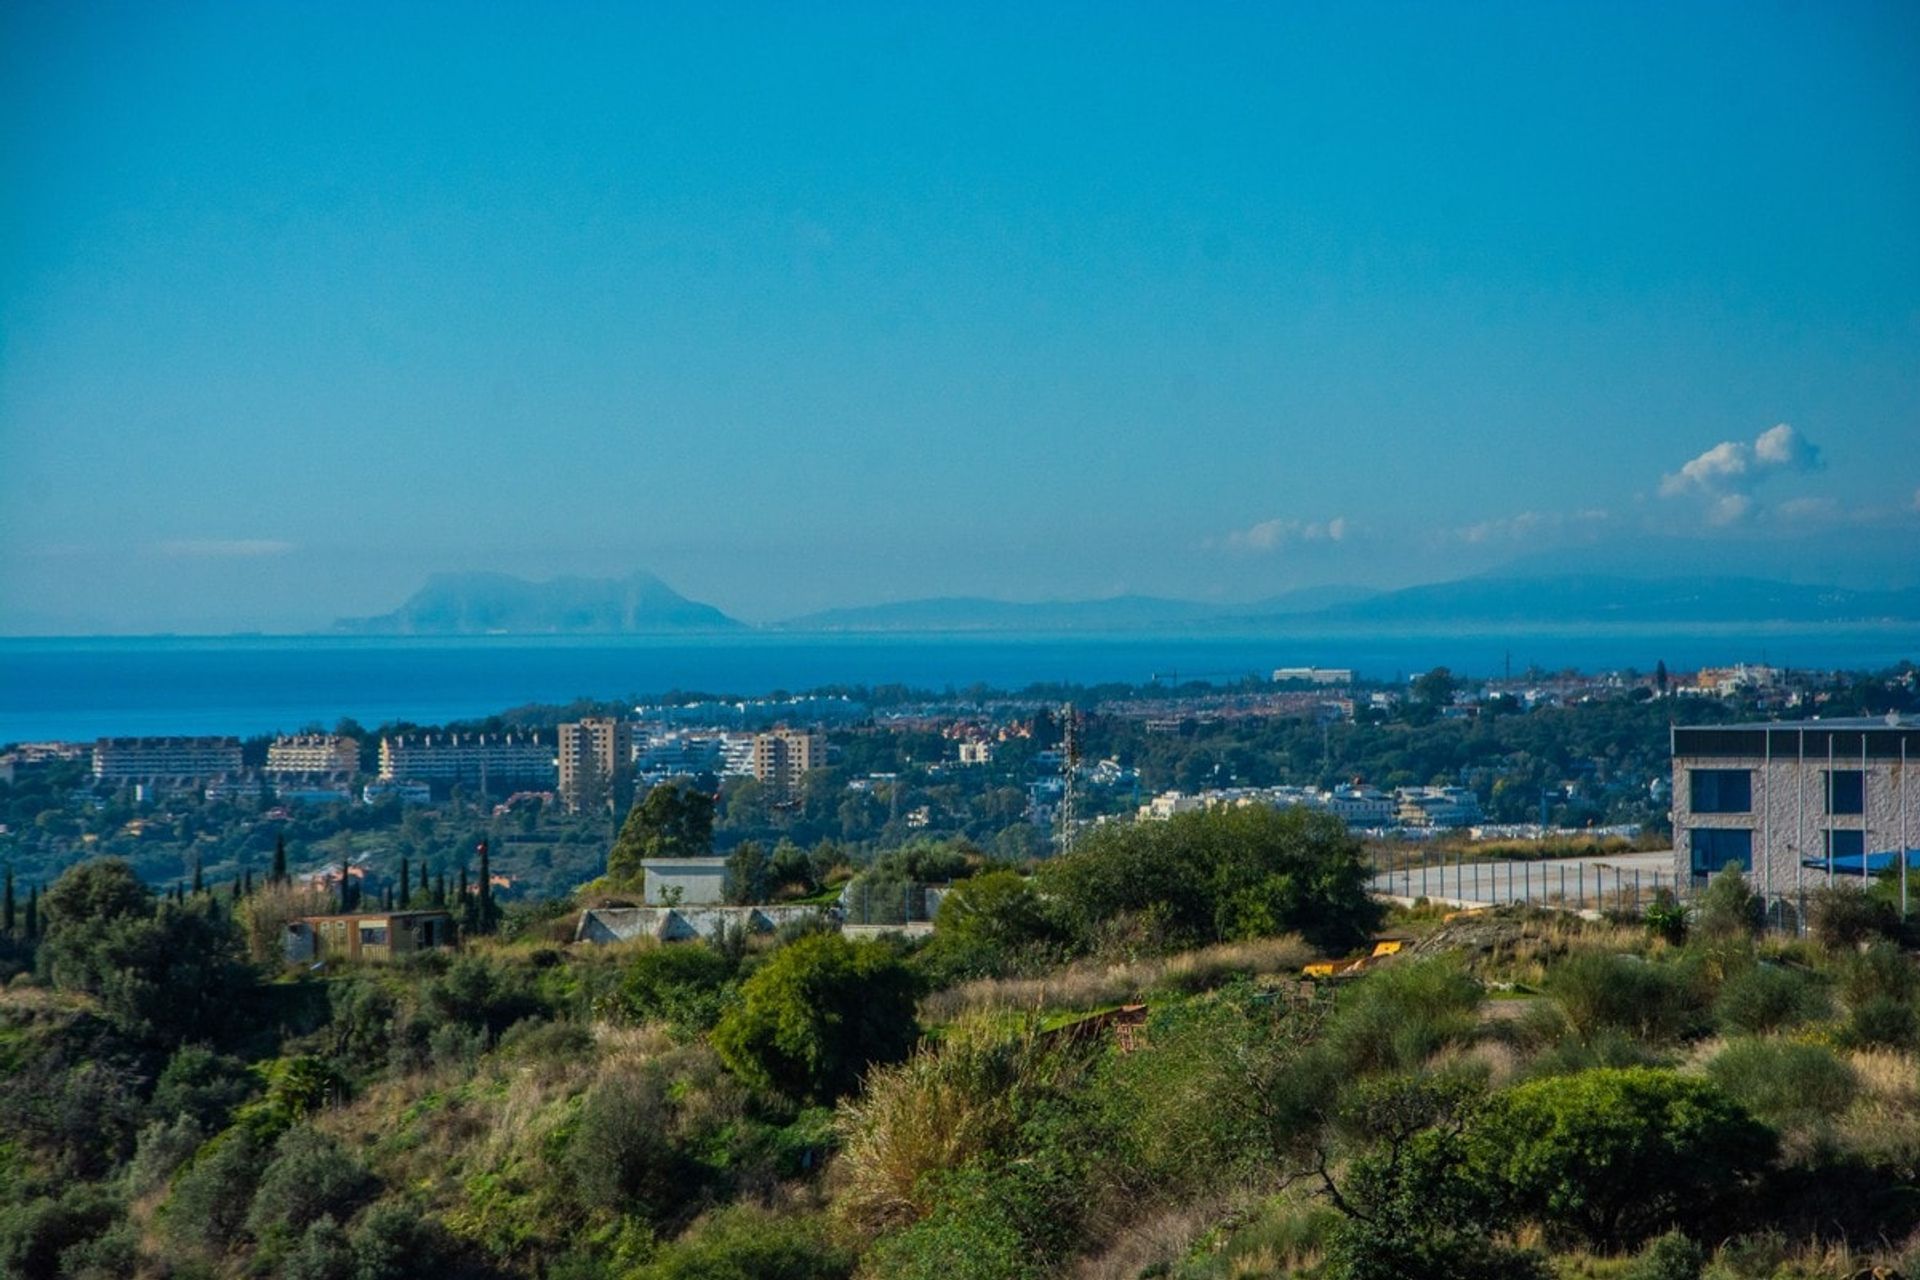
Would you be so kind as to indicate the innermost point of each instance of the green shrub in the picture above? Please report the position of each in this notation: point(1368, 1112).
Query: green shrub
point(1845, 916)
point(202, 1084)
point(1601, 992)
point(1882, 1022)
point(1672, 1256)
point(1218, 876)
point(1879, 970)
point(309, 1177)
point(481, 994)
point(1667, 917)
point(685, 986)
point(1783, 1083)
point(817, 1015)
point(748, 1244)
point(394, 1242)
point(1728, 907)
point(323, 1253)
point(36, 1234)
point(980, 1229)
point(1571, 1054)
point(208, 1204)
point(114, 1254)
point(163, 1147)
point(1768, 998)
point(362, 1023)
point(1616, 1155)
point(620, 1155)
point(1396, 1018)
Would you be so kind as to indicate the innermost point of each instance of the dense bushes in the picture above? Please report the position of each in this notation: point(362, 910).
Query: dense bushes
point(817, 1015)
point(1767, 998)
point(160, 972)
point(1218, 876)
point(1600, 992)
point(1617, 1155)
point(1783, 1083)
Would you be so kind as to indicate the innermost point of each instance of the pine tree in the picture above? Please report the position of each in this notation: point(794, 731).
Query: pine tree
point(6, 905)
point(406, 883)
point(280, 858)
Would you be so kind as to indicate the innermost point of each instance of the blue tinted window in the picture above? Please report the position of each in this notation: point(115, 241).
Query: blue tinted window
point(1713, 848)
point(1722, 790)
point(1846, 844)
point(1846, 792)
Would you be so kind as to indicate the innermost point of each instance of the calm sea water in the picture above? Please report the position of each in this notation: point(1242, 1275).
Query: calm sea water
point(86, 688)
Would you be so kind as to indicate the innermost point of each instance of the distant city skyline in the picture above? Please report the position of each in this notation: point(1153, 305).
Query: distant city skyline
point(809, 307)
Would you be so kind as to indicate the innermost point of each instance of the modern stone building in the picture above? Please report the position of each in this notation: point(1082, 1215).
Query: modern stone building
point(1798, 804)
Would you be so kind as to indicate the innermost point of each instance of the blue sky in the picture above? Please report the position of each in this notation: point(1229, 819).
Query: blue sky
point(809, 304)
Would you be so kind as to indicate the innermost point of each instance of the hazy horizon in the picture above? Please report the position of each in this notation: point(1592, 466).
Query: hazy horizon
point(810, 308)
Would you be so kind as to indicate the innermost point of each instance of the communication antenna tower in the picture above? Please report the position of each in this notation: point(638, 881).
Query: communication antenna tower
point(1069, 775)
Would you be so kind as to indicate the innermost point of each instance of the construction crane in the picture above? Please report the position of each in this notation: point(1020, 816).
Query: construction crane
point(1069, 776)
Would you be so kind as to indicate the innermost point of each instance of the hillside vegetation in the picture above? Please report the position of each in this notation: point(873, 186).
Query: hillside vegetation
point(1511, 1095)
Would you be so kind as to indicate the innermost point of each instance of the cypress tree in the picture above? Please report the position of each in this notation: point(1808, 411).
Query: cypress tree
point(235, 894)
point(426, 888)
point(406, 882)
point(199, 881)
point(6, 905)
point(439, 888)
point(280, 858)
point(466, 903)
point(246, 882)
point(386, 897)
point(486, 890)
point(33, 914)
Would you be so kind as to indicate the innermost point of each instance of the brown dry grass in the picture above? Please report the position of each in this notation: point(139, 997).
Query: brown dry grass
point(1091, 985)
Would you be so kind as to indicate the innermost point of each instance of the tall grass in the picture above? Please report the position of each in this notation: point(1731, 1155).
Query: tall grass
point(944, 1106)
point(1091, 985)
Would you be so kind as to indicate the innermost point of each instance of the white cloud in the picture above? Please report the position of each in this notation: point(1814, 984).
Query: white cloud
point(1726, 475)
point(1728, 509)
point(1275, 534)
point(222, 548)
point(1529, 524)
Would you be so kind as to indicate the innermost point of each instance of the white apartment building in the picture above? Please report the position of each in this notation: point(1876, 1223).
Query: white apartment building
point(148, 759)
point(508, 760)
point(1437, 806)
point(1798, 804)
point(1359, 806)
point(315, 753)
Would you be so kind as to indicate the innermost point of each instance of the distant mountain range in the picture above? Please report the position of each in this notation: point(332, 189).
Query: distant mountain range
point(472, 604)
point(493, 604)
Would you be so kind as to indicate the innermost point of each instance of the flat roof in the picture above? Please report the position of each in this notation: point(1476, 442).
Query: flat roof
point(1895, 721)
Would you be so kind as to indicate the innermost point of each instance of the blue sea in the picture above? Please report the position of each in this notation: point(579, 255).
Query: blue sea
point(87, 688)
